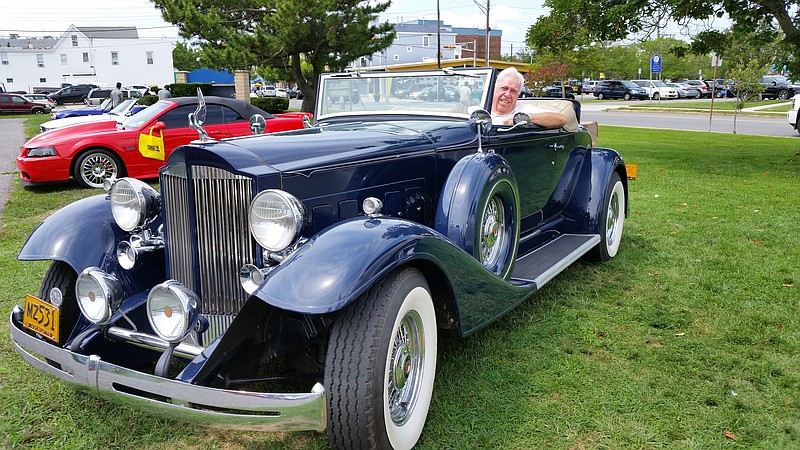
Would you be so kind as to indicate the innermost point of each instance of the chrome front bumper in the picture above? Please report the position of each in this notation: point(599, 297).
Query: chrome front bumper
point(177, 400)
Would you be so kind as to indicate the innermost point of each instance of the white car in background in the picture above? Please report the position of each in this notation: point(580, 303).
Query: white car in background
point(657, 89)
point(122, 111)
point(281, 92)
point(791, 116)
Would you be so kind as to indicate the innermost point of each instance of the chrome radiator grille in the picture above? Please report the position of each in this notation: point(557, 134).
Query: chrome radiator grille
point(208, 260)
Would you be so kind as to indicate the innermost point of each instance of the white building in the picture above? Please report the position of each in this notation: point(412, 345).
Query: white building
point(97, 55)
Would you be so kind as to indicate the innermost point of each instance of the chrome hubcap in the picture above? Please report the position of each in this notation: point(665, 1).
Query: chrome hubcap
point(493, 234)
point(612, 219)
point(405, 377)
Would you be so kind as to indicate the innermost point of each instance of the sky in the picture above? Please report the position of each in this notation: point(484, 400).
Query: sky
point(51, 17)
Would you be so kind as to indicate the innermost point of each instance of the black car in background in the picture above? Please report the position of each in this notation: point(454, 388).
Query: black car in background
point(778, 87)
point(624, 89)
point(72, 94)
point(558, 92)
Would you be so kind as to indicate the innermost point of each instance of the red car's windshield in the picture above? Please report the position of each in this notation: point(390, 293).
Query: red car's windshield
point(146, 115)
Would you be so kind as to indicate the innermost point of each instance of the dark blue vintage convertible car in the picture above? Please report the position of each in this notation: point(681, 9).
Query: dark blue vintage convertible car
point(298, 280)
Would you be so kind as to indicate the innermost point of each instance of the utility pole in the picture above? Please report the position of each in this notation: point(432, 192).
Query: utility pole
point(438, 36)
point(485, 11)
point(487, 33)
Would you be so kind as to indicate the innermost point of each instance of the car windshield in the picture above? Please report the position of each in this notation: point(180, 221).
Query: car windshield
point(120, 109)
point(106, 104)
point(630, 84)
point(453, 93)
point(657, 83)
point(146, 115)
point(780, 79)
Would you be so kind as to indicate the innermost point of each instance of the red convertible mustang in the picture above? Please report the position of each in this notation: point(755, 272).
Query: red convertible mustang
point(93, 152)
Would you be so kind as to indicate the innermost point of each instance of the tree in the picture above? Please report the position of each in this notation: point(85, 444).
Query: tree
point(748, 85)
point(185, 57)
point(574, 23)
point(328, 34)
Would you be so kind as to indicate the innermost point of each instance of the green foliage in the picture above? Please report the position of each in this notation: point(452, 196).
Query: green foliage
point(572, 24)
point(748, 82)
point(272, 105)
point(186, 58)
point(147, 100)
point(328, 34)
point(189, 89)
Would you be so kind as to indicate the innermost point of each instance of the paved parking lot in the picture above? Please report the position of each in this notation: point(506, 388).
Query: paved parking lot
point(13, 132)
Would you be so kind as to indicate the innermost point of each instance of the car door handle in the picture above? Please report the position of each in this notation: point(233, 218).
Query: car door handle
point(556, 147)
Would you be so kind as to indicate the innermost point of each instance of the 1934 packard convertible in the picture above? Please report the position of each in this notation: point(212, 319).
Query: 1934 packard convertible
point(299, 280)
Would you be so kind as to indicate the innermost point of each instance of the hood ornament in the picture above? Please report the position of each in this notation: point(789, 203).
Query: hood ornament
point(197, 118)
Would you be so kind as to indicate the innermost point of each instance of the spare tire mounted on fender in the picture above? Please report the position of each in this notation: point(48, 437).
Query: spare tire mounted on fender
point(479, 211)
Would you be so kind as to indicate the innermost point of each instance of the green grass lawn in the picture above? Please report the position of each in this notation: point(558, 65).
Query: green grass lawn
point(720, 105)
point(688, 339)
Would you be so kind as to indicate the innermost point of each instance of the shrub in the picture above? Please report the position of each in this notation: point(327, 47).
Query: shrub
point(272, 105)
point(189, 89)
point(148, 100)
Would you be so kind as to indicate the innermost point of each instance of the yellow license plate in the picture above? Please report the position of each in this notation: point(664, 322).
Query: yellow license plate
point(41, 317)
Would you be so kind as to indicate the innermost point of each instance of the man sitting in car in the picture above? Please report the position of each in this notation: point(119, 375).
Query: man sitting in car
point(504, 103)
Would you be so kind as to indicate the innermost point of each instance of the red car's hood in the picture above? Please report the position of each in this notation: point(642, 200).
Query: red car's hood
point(73, 132)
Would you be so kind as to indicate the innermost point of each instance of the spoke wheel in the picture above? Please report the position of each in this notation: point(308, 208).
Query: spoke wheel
point(381, 364)
point(493, 234)
point(95, 166)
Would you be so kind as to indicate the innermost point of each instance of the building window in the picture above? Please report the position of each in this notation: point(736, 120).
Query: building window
point(408, 49)
point(40, 60)
point(42, 80)
point(74, 40)
point(149, 58)
point(426, 41)
point(4, 58)
point(114, 58)
point(9, 80)
point(85, 56)
point(397, 57)
point(63, 59)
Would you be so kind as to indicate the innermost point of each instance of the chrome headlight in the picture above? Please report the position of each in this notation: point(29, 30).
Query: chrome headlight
point(41, 151)
point(133, 203)
point(276, 219)
point(172, 310)
point(99, 294)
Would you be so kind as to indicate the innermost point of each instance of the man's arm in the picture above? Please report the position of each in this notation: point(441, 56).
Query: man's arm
point(549, 119)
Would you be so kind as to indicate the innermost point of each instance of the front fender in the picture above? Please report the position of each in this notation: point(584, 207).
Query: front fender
point(84, 234)
point(81, 234)
point(334, 267)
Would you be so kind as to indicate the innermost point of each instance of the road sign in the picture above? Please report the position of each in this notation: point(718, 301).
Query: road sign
point(655, 64)
point(716, 61)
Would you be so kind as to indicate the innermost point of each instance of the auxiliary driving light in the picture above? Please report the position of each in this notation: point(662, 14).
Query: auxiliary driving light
point(99, 294)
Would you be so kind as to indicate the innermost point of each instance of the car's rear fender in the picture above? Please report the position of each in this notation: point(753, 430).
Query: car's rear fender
point(584, 200)
point(334, 267)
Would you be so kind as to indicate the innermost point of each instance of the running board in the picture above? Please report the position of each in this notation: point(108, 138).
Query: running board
point(541, 265)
